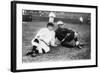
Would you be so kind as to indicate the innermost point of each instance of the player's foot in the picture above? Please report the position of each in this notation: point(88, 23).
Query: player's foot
point(29, 53)
point(79, 47)
point(33, 55)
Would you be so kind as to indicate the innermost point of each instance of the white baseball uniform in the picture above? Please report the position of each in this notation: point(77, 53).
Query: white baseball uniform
point(46, 38)
point(51, 17)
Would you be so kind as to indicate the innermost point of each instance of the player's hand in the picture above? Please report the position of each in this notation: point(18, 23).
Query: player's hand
point(55, 45)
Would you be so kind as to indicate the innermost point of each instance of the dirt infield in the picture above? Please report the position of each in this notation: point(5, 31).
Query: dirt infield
point(56, 53)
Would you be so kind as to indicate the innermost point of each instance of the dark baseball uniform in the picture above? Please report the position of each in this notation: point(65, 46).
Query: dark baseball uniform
point(64, 34)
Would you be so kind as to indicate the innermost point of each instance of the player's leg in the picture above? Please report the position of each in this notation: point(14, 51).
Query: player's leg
point(77, 43)
point(68, 42)
point(44, 48)
point(34, 50)
point(51, 19)
point(38, 48)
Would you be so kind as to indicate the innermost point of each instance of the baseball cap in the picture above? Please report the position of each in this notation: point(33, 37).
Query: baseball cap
point(60, 23)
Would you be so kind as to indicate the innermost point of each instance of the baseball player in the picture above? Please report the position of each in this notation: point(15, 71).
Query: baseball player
point(65, 35)
point(51, 17)
point(42, 41)
point(81, 20)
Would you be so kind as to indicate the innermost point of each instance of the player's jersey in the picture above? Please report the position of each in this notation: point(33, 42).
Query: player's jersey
point(51, 14)
point(46, 35)
point(62, 33)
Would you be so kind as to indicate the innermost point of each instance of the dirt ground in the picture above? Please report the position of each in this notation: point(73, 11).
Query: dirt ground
point(58, 53)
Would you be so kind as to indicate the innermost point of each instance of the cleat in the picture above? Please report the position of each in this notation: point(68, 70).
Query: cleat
point(29, 53)
point(33, 55)
point(79, 47)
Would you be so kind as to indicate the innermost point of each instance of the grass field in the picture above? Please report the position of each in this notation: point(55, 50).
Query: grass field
point(58, 53)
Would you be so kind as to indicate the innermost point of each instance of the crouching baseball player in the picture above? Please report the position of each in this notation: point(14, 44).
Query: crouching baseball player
point(42, 41)
point(65, 36)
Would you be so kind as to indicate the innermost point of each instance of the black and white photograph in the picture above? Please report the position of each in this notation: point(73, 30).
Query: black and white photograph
point(54, 36)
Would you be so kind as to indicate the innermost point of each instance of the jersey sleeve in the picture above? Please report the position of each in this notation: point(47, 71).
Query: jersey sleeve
point(52, 14)
point(68, 30)
point(56, 33)
point(39, 33)
point(53, 39)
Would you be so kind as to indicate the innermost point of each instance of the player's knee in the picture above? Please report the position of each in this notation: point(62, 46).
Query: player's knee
point(47, 50)
point(35, 42)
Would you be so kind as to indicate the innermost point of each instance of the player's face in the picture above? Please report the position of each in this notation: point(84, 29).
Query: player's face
point(61, 26)
point(50, 28)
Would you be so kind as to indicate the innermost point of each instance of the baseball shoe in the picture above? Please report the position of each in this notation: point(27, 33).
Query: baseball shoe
point(79, 47)
point(33, 55)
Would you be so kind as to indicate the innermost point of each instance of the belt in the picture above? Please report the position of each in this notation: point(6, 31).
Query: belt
point(44, 42)
point(64, 38)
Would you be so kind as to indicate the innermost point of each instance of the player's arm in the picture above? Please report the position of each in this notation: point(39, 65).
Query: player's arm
point(68, 30)
point(57, 41)
point(37, 36)
point(53, 40)
point(39, 33)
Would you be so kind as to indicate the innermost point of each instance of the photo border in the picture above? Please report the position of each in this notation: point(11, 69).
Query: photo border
point(13, 35)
